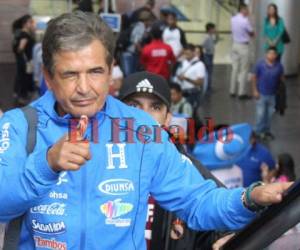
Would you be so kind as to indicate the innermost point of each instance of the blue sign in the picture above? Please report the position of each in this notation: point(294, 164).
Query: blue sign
point(112, 20)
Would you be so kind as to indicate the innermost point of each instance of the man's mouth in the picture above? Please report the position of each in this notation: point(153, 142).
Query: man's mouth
point(83, 102)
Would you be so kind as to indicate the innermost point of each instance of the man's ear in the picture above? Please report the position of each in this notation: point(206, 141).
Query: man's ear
point(47, 77)
point(168, 119)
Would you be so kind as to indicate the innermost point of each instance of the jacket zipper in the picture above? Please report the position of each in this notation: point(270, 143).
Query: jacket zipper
point(83, 210)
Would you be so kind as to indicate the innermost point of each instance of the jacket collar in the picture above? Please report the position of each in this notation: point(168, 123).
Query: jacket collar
point(46, 104)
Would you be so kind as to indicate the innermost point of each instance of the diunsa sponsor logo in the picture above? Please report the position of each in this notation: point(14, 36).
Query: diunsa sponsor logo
point(116, 187)
point(4, 138)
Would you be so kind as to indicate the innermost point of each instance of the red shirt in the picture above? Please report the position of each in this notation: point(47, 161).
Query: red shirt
point(156, 57)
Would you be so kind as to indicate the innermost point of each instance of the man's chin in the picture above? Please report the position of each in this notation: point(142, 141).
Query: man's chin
point(88, 113)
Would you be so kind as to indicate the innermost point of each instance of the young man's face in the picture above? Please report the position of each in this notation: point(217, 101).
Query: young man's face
point(152, 105)
point(171, 20)
point(271, 55)
point(175, 96)
point(189, 54)
point(81, 79)
point(245, 11)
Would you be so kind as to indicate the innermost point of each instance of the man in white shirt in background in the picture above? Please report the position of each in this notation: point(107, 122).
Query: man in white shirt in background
point(242, 32)
point(174, 36)
point(191, 76)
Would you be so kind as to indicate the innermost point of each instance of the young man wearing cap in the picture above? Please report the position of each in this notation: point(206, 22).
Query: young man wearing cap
point(91, 193)
point(152, 94)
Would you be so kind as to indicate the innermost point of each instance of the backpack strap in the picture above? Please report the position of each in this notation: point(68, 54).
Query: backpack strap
point(12, 234)
point(180, 109)
point(31, 116)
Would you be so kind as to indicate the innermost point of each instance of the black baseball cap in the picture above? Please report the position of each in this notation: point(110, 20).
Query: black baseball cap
point(146, 82)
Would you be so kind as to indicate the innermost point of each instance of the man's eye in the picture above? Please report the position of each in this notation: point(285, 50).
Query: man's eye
point(96, 72)
point(156, 107)
point(69, 75)
point(132, 104)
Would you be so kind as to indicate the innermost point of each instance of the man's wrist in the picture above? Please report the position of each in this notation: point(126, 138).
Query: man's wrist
point(248, 201)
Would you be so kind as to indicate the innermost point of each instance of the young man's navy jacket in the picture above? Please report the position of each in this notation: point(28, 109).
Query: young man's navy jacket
point(104, 204)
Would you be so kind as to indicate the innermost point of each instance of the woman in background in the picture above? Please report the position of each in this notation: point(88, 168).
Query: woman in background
point(23, 31)
point(286, 168)
point(273, 30)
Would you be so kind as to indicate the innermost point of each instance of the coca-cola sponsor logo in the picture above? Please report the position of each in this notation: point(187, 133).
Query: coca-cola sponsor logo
point(49, 228)
point(49, 243)
point(116, 187)
point(49, 209)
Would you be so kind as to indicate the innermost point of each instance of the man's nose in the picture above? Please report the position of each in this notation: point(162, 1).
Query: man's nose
point(83, 85)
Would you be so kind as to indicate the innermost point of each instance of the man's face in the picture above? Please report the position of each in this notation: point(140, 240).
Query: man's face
point(198, 52)
point(30, 25)
point(245, 11)
point(189, 54)
point(175, 96)
point(171, 21)
point(81, 79)
point(150, 104)
point(271, 55)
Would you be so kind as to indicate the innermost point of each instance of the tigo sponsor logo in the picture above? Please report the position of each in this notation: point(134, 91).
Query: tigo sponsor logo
point(115, 209)
point(116, 187)
point(4, 140)
point(49, 243)
point(49, 209)
point(49, 228)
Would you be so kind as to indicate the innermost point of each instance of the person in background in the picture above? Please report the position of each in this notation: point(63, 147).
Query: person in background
point(117, 78)
point(157, 57)
point(148, 7)
point(23, 42)
point(162, 21)
point(242, 32)
point(267, 75)
point(208, 45)
point(199, 53)
point(156, 101)
point(191, 75)
point(179, 104)
point(37, 60)
point(258, 164)
point(130, 57)
point(285, 171)
point(174, 36)
point(84, 5)
point(273, 30)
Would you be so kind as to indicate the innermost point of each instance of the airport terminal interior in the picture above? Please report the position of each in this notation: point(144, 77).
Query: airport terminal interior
point(196, 13)
point(218, 103)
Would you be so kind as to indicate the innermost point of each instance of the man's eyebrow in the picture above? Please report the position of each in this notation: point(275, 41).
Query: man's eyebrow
point(134, 100)
point(67, 72)
point(100, 68)
point(156, 102)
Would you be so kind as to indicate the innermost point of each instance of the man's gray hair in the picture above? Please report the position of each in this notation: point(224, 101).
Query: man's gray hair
point(72, 32)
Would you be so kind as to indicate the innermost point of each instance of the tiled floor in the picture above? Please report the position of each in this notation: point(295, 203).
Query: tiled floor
point(286, 129)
